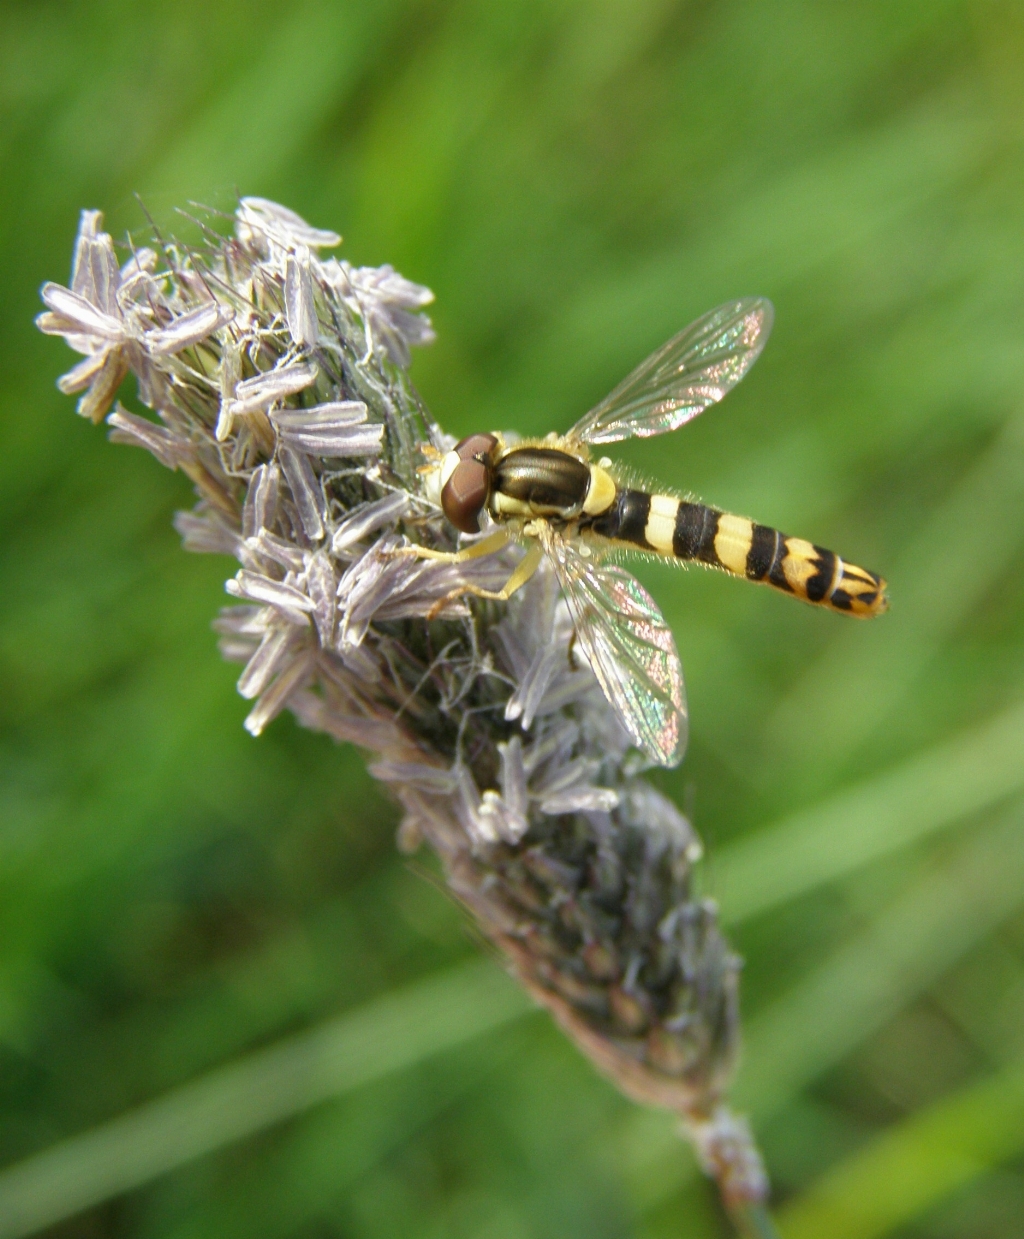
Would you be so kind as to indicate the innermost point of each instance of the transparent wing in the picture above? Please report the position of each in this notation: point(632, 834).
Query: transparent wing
point(630, 648)
point(694, 369)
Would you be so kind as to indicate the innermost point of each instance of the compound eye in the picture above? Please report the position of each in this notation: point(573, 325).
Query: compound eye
point(464, 495)
point(475, 446)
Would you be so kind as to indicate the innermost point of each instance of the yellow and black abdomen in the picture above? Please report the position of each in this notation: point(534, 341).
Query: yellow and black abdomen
point(685, 530)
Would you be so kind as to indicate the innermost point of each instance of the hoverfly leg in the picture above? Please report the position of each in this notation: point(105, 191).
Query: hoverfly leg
point(486, 546)
point(525, 569)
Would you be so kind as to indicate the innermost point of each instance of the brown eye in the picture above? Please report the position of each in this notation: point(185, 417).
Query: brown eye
point(465, 494)
point(475, 446)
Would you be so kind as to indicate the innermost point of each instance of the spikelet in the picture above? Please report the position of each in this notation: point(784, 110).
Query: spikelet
point(277, 381)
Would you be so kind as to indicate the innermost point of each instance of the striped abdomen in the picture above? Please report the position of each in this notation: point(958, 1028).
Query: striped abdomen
point(687, 530)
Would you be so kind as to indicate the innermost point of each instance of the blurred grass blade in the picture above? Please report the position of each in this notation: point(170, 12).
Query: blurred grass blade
point(880, 971)
point(890, 811)
point(797, 221)
point(248, 1095)
point(312, 58)
point(327, 1154)
point(905, 1171)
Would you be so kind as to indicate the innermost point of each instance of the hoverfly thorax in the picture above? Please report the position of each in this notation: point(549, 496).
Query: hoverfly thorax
point(466, 474)
point(541, 481)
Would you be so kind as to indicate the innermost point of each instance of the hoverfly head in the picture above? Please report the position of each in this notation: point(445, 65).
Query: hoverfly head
point(465, 481)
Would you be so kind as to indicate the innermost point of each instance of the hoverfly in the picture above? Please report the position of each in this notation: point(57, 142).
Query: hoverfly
point(570, 509)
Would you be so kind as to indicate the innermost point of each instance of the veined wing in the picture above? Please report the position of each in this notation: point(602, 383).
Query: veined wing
point(630, 648)
point(694, 369)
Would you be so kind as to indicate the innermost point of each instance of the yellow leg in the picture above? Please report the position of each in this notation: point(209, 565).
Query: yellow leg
point(525, 569)
point(493, 542)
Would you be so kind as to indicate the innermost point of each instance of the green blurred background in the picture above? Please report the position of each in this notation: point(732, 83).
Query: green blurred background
point(575, 181)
